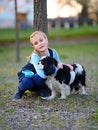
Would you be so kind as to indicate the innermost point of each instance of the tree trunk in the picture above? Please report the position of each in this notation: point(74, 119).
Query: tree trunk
point(40, 16)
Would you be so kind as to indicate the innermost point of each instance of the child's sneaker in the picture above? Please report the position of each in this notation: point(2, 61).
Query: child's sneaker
point(18, 95)
point(43, 93)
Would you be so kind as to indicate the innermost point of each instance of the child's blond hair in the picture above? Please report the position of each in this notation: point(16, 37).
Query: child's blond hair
point(31, 36)
point(37, 32)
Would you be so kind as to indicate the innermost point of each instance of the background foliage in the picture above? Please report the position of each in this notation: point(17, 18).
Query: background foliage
point(8, 35)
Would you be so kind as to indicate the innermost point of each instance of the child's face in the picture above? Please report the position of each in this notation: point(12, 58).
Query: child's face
point(39, 42)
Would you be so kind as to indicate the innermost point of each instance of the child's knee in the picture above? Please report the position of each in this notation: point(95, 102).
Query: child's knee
point(26, 84)
point(38, 81)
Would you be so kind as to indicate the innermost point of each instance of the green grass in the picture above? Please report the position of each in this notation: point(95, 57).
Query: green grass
point(80, 32)
point(94, 120)
point(8, 35)
point(85, 54)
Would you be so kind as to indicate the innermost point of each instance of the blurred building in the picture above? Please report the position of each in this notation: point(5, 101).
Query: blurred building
point(24, 13)
point(66, 17)
point(60, 22)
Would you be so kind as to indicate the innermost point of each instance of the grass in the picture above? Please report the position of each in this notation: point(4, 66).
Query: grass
point(85, 31)
point(77, 112)
point(94, 119)
point(8, 35)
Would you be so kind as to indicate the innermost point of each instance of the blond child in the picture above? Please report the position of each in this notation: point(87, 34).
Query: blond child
point(35, 80)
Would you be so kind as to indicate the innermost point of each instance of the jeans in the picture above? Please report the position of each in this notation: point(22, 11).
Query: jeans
point(33, 84)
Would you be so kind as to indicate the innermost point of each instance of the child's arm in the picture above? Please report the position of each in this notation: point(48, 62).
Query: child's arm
point(70, 66)
point(35, 60)
point(60, 64)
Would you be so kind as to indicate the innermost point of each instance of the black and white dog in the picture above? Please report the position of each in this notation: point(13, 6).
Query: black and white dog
point(63, 81)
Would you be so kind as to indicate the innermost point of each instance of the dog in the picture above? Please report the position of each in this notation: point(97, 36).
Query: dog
point(63, 80)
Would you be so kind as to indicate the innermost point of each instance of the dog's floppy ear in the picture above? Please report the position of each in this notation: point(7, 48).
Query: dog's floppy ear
point(52, 60)
point(49, 64)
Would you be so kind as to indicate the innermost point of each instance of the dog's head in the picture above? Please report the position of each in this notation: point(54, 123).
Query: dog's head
point(48, 64)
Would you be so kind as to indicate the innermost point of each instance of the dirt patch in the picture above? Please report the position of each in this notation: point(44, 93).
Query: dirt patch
point(31, 112)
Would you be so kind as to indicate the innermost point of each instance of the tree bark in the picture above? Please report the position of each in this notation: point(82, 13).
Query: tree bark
point(40, 16)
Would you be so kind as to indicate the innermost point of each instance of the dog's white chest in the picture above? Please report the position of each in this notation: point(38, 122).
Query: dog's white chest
point(52, 82)
point(72, 75)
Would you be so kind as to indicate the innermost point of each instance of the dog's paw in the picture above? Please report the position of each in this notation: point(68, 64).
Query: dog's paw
point(62, 97)
point(84, 93)
point(45, 98)
point(48, 98)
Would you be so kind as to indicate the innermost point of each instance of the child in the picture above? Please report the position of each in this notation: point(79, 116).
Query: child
point(36, 81)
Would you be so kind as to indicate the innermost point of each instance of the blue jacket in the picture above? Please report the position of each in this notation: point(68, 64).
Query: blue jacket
point(31, 66)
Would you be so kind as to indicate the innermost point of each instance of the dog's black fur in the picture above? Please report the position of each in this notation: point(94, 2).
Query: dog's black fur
point(63, 75)
point(75, 79)
point(49, 67)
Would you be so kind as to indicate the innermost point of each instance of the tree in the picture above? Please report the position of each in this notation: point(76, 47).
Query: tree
point(40, 16)
point(62, 3)
point(93, 8)
point(17, 34)
point(83, 16)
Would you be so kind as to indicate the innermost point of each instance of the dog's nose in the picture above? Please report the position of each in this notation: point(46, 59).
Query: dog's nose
point(39, 62)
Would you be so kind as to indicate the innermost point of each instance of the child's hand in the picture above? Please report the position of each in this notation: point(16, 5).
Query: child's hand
point(70, 66)
point(60, 66)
